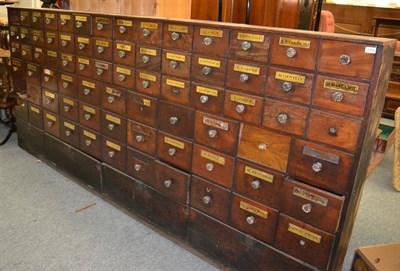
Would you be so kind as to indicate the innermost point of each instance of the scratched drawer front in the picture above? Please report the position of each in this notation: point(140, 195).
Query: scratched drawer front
point(289, 85)
point(208, 69)
point(178, 36)
point(141, 166)
point(285, 117)
point(176, 120)
point(65, 22)
point(142, 109)
point(50, 100)
point(51, 40)
point(113, 99)
point(21, 110)
point(125, 29)
point(207, 98)
point(124, 53)
point(39, 55)
point(103, 71)
point(251, 46)
point(25, 35)
point(14, 33)
point(50, 20)
point(113, 153)
point(67, 62)
point(346, 58)
point(69, 132)
point(149, 32)
point(102, 26)
point(341, 132)
point(90, 142)
point(37, 38)
point(15, 49)
point(124, 76)
point(176, 63)
point(32, 73)
point(82, 24)
point(69, 108)
point(51, 59)
point(25, 17)
point(215, 132)
point(26, 52)
point(84, 66)
point(174, 150)
point(34, 94)
point(319, 166)
point(49, 78)
point(89, 116)
point(113, 126)
point(311, 205)
point(253, 218)
point(66, 43)
point(243, 107)
point(37, 20)
point(340, 95)
point(67, 84)
point(258, 183)
point(294, 51)
point(142, 137)
point(148, 83)
point(51, 123)
point(175, 90)
point(89, 91)
point(213, 165)
point(83, 45)
point(103, 49)
point(148, 58)
point(299, 239)
point(210, 40)
point(35, 116)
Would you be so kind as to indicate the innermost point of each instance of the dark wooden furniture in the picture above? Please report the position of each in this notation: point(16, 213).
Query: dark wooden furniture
point(250, 144)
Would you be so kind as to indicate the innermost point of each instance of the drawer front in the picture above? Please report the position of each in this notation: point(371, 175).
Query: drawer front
point(90, 142)
point(35, 116)
point(51, 59)
point(141, 166)
point(82, 24)
point(176, 63)
point(51, 123)
point(15, 49)
point(14, 33)
point(67, 62)
point(21, 110)
point(253, 218)
point(38, 38)
point(258, 183)
point(114, 153)
point(178, 36)
point(113, 126)
point(69, 132)
point(26, 52)
point(391, 106)
point(69, 108)
point(103, 49)
point(103, 71)
point(124, 53)
point(251, 46)
point(125, 29)
point(346, 58)
point(175, 90)
point(301, 241)
point(340, 95)
point(39, 56)
point(215, 132)
point(89, 91)
point(67, 85)
point(176, 120)
point(243, 107)
point(149, 32)
point(211, 40)
point(289, 85)
point(103, 26)
point(50, 21)
point(51, 40)
point(124, 76)
point(141, 137)
point(33, 73)
point(210, 198)
point(50, 100)
point(207, 98)
point(65, 22)
point(209, 70)
point(148, 83)
point(293, 51)
point(89, 116)
point(113, 99)
point(25, 35)
point(83, 46)
point(174, 150)
point(311, 205)
point(37, 19)
point(148, 58)
point(285, 117)
point(49, 79)
point(66, 43)
point(25, 17)
point(84, 66)
point(246, 77)
point(213, 165)
point(34, 94)
point(334, 130)
point(319, 166)
point(142, 109)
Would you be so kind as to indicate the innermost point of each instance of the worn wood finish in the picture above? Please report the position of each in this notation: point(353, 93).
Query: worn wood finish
point(66, 62)
point(67, 84)
point(207, 98)
point(175, 90)
point(176, 120)
point(142, 108)
point(89, 91)
point(83, 65)
point(102, 71)
point(69, 132)
point(113, 126)
point(37, 38)
point(113, 153)
point(251, 46)
point(50, 100)
point(49, 78)
point(211, 40)
point(89, 116)
point(174, 150)
point(33, 72)
point(149, 32)
point(124, 52)
point(243, 107)
point(34, 93)
point(69, 108)
point(103, 26)
point(141, 137)
point(35, 116)
point(51, 123)
point(21, 110)
point(50, 20)
point(141, 166)
point(113, 99)
point(90, 142)
point(30, 139)
point(208, 70)
point(124, 76)
point(103, 48)
point(83, 45)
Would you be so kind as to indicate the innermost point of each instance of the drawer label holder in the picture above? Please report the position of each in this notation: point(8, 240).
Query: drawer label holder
point(246, 69)
point(174, 83)
point(259, 174)
point(149, 77)
point(89, 135)
point(210, 156)
point(173, 142)
point(211, 32)
point(290, 77)
point(254, 210)
point(178, 28)
point(177, 57)
point(336, 85)
point(67, 78)
point(68, 101)
point(113, 145)
point(149, 25)
point(69, 126)
point(305, 44)
point(310, 196)
point(35, 110)
point(113, 91)
point(124, 23)
point(209, 62)
point(146, 51)
point(207, 91)
point(243, 100)
point(124, 47)
point(113, 119)
point(305, 233)
point(250, 37)
point(216, 123)
point(89, 109)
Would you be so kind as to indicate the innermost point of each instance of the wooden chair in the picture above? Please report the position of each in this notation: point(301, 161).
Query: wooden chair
point(396, 159)
point(327, 22)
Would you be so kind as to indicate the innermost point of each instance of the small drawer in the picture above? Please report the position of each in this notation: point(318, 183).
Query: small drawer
point(66, 43)
point(213, 165)
point(209, 70)
point(176, 64)
point(141, 166)
point(212, 41)
point(289, 85)
point(50, 100)
point(113, 126)
point(113, 99)
point(89, 116)
point(83, 46)
point(319, 166)
point(148, 83)
point(69, 132)
point(38, 56)
point(51, 123)
point(347, 58)
point(178, 36)
point(243, 107)
point(37, 20)
point(18, 70)
point(142, 109)
point(175, 151)
point(103, 49)
point(149, 32)
point(50, 20)
point(311, 205)
point(103, 26)
point(334, 130)
point(301, 241)
point(90, 142)
point(33, 73)
point(35, 116)
point(69, 108)
point(21, 110)
point(113, 153)
point(176, 120)
point(124, 53)
point(210, 198)
point(26, 52)
point(125, 29)
point(141, 137)
point(293, 51)
point(38, 38)
point(285, 117)
point(49, 78)
point(253, 218)
point(51, 59)
point(103, 71)
point(246, 77)
point(67, 62)
point(175, 90)
point(215, 132)
point(15, 49)
point(25, 35)
point(65, 22)
point(249, 45)
point(207, 98)
point(82, 24)
point(25, 17)
point(34, 94)
point(51, 40)
point(124, 76)
point(84, 66)
point(67, 85)
point(148, 58)
point(89, 91)
point(14, 33)
point(264, 147)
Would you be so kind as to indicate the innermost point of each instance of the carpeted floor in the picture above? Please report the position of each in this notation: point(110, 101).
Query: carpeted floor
point(41, 230)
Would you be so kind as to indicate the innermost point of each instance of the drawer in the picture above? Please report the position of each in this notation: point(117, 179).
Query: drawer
point(82, 24)
point(67, 84)
point(148, 83)
point(51, 59)
point(249, 45)
point(103, 26)
point(50, 20)
point(38, 38)
point(125, 29)
point(103, 49)
point(340, 95)
point(26, 52)
point(37, 20)
point(89, 116)
point(213, 165)
point(391, 106)
point(178, 36)
point(207, 98)
point(347, 58)
point(103, 71)
point(175, 90)
point(49, 78)
point(285, 117)
point(89, 91)
point(334, 130)
point(113, 99)
point(293, 51)
point(210, 198)
point(215, 132)
point(90, 142)
point(243, 107)
point(113, 153)
point(142, 109)
point(66, 43)
point(14, 33)
point(148, 58)
point(149, 32)
point(65, 22)
point(113, 126)
point(39, 55)
point(289, 85)
point(314, 206)
point(51, 40)
point(258, 183)
point(19, 86)
point(174, 150)
point(141, 137)
point(209, 70)
point(67, 62)
point(124, 76)
point(69, 132)
point(83, 46)
point(253, 218)
point(15, 49)
point(34, 94)
point(51, 123)
point(50, 100)
point(211, 40)
point(246, 77)
point(32, 73)
point(319, 166)
point(124, 53)
point(172, 182)
point(264, 147)
point(176, 64)
point(25, 17)
point(25, 35)
point(141, 166)
point(176, 120)
point(301, 241)
point(69, 108)
point(21, 110)
point(84, 66)
point(35, 116)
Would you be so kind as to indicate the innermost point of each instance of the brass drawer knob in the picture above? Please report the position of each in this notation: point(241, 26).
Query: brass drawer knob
point(63, 22)
point(100, 49)
point(175, 36)
point(82, 66)
point(111, 126)
point(209, 166)
point(81, 46)
point(65, 84)
point(291, 52)
point(171, 151)
point(212, 133)
point(111, 154)
point(306, 208)
point(246, 45)
point(110, 99)
point(282, 118)
point(66, 108)
point(345, 59)
point(167, 183)
point(173, 120)
point(317, 167)
point(88, 142)
point(173, 64)
point(145, 58)
point(255, 184)
point(337, 96)
point(206, 199)
point(67, 133)
point(121, 54)
point(78, 24)
point(240, 108)
point(100, 26)
point(48, 21)
point(86, 91)
point(34, 19)
point(87, 116)
point(121, 77)
point(64, 62)
point(145, 84)
point(206, 70)
point(250, 220)
point(49, 40)
point(244, 77)
point(122, 29)
point(146, 32)
point(138, 167)
point(287, 86)
point(139, 138)
point(204, 99)
point(208, 41)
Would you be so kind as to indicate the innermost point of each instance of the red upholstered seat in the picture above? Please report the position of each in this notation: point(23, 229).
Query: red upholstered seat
point(327, 22)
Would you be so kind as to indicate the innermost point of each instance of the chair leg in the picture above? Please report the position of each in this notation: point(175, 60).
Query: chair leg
point(396, 159)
